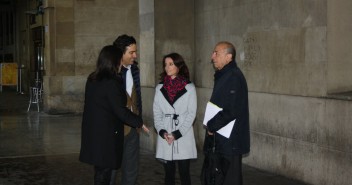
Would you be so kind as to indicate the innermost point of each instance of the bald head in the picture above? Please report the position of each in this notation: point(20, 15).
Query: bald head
point(229, 47)
point(224, 52)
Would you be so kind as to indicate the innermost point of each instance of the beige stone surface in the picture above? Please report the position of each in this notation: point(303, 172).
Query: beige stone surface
point(65, 41)
point(308, 162)
point(53, 85)
point(146, 57)
point(174, 32)
point(65, 55)
point(203, 96)
point(65, 69)
point(62, 3)
point(339, 46)
point(84, 69)
point(147, 80)
point(87, 49)
point(305, 138)
point(65, 28)
point(336, 129)
point(72, 85)
point(60, 104)
point(287, 116)
point(106, 20)
point(64, 14)
point(284, 156)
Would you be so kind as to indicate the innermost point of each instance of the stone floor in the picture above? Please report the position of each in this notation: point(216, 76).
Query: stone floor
point(41, 149)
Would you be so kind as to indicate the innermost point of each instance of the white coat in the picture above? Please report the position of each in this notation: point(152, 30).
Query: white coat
point(185, 105)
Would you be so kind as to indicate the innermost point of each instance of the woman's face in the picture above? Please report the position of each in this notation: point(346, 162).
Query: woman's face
point(170, 68)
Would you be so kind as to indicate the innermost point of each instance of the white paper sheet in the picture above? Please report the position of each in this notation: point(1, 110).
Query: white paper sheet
point(210, 111)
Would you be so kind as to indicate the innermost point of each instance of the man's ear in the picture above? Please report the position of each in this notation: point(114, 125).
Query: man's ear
point(228, 57)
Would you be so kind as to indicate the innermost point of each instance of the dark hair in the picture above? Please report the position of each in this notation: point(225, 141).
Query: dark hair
point(179, 63)
point(123, 41)
point(107, 65)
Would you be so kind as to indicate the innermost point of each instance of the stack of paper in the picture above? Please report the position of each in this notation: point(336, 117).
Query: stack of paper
point(210, 111)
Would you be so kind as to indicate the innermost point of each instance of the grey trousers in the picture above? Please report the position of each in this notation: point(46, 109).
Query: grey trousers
point(130, 160)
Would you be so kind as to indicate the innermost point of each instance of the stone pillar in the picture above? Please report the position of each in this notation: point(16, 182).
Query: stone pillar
point(147, 68)
point(63, 89)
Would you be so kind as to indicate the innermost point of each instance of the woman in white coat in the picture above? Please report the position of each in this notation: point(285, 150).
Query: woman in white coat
point(175, 106)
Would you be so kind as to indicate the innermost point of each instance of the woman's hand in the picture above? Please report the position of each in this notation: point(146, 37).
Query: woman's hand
point(169, 138)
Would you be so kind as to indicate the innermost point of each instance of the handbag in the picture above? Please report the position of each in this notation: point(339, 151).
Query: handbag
point(212, 173)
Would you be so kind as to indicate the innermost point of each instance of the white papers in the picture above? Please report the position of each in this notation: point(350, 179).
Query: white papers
point(210, 111)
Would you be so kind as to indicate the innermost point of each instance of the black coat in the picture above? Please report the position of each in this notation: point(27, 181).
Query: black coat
point(230, 93)
point(102, 124)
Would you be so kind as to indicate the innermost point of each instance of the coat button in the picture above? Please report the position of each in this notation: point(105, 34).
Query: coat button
point(115, 132)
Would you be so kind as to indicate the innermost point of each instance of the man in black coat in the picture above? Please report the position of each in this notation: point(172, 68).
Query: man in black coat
point(230, 93)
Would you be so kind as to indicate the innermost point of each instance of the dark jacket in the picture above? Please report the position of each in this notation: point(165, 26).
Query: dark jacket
point(230, 93)
point(102, 124)
point(136, 81)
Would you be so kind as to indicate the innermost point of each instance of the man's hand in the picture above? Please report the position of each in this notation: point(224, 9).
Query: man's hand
point(210, 133)
point(145, 129)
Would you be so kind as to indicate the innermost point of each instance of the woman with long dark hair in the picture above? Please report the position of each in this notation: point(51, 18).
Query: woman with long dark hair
point(104, 114)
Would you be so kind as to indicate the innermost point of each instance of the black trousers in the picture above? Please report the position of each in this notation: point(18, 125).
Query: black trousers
point(232, 168)
point(102, 175)
point(183, 169)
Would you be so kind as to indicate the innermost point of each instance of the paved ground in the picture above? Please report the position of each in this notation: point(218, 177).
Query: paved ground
point(41, 149)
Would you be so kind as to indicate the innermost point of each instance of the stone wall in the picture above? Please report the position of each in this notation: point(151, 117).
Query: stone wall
point(305, 138)
point(297, 130)
point(77, 30)
point(339, 49)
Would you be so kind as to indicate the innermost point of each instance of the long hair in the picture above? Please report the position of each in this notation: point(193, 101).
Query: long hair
point(179, 62)
point(123, 41)
point(107, 65)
